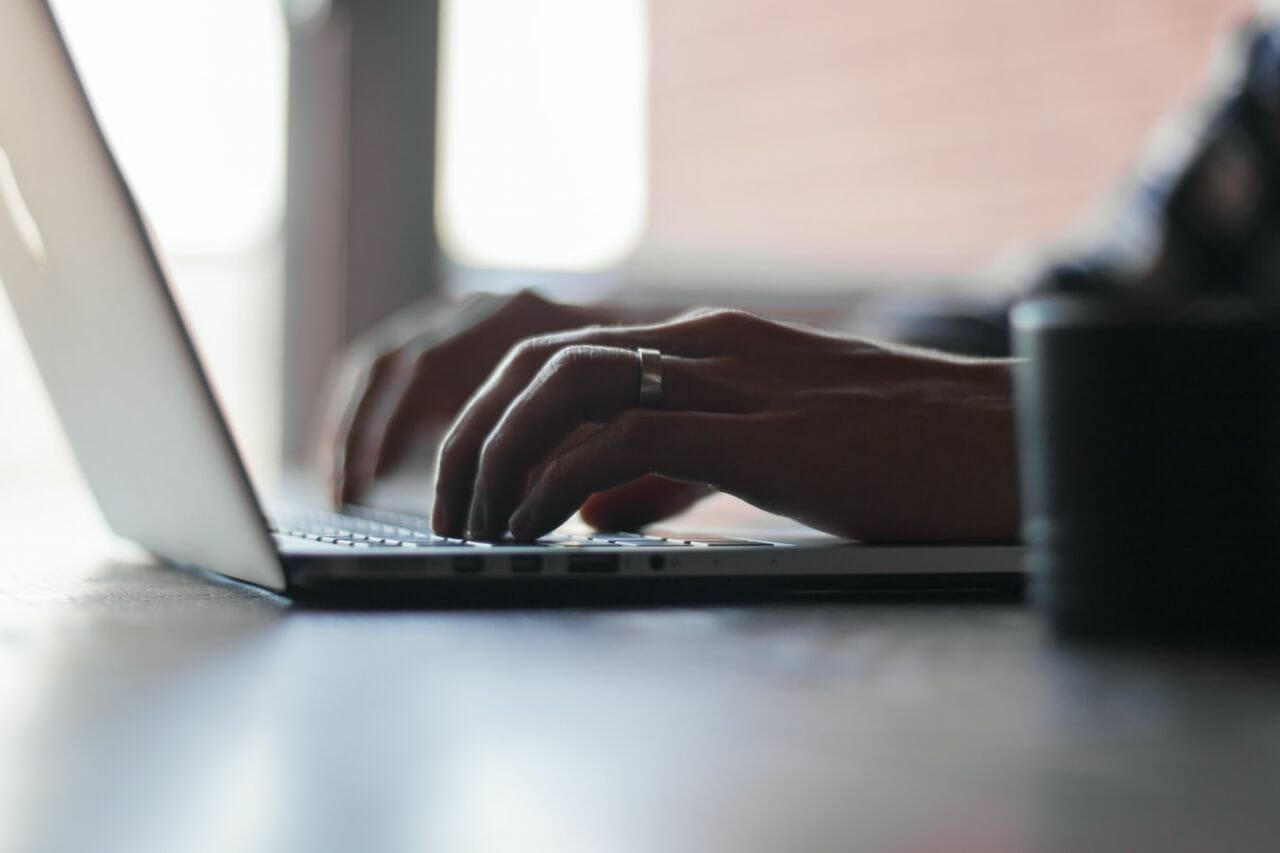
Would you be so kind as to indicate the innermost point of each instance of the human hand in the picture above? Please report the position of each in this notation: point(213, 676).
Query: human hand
point(410, 377)
point(853, 437)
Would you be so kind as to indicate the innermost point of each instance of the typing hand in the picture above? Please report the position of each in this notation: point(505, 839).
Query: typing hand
point(412, 376)
point(850, 436)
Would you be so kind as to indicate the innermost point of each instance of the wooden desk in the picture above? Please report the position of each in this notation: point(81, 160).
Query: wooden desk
point(143, 709)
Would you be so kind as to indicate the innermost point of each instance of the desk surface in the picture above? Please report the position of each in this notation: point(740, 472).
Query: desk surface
point(145, 709)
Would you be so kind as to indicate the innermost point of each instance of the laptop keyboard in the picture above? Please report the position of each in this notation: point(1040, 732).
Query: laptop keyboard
point(361, 527)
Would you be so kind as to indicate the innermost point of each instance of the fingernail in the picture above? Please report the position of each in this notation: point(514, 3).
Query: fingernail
point(440, 518)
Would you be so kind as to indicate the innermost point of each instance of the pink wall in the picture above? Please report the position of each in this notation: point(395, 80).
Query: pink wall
point(930, 133)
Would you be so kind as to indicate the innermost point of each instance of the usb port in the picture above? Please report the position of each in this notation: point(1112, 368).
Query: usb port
point(593, 563)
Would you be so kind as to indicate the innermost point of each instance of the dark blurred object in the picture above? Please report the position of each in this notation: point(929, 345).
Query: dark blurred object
point(1149, 448)
point(1149, 405)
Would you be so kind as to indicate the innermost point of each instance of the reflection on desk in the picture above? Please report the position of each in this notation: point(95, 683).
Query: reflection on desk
point(147, 709)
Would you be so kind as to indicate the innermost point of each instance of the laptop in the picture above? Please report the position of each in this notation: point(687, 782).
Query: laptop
point(92, 299)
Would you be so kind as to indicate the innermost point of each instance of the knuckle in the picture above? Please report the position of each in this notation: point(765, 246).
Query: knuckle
point(734, 318)
point(571, 361)
point(525, 297)
point(449, 447)
point(509, 307)
point(370, 372)
point(490, 455)
point(720, 320)
point(383, 362)
point(529, 352)
point(696, 313)
point(423, 359)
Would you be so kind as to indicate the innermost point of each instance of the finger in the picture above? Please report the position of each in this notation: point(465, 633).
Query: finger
point(641, 502)
point(579, 385)
point(691, 336)
point(694, 447)
point(430, 396)
point(384, 381)
point(448, 373)
point(351, 464)
point(460, 449)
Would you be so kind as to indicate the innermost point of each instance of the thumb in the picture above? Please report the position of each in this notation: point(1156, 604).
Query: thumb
point(640, 502)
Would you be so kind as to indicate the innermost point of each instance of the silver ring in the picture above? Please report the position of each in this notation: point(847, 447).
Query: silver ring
point(650, 378)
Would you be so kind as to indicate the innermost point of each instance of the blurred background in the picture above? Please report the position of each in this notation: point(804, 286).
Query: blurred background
point(310, 166)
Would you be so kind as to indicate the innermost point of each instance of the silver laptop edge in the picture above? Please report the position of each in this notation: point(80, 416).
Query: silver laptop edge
point(94, 306)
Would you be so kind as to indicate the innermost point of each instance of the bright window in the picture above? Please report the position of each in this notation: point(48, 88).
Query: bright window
point(542, 132)
point(191, 95)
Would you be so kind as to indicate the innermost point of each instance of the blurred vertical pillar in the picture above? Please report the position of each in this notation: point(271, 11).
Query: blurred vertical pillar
point(359, 224)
